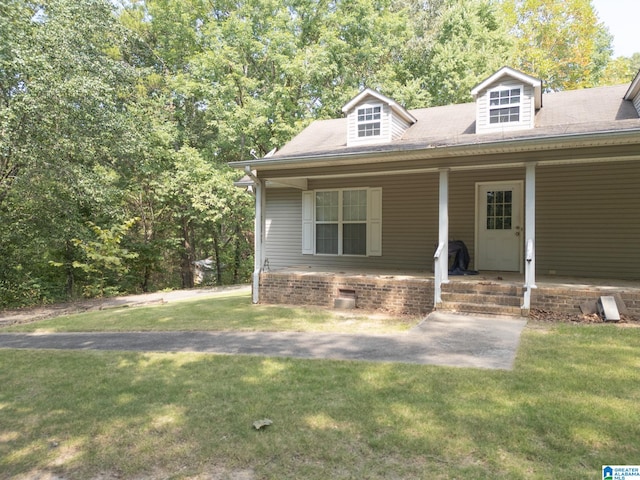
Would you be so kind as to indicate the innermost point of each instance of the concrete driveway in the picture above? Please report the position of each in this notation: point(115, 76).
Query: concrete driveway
point(441, 339)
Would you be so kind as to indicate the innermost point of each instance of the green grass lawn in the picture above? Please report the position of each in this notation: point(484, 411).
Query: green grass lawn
point(230, 312)
point(570, 405)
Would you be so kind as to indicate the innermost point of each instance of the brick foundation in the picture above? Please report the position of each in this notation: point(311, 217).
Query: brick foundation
point(567, 299)
point(414, 295)
point(386, 292)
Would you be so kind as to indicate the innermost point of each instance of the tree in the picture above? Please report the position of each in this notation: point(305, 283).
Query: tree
point(562, 43)
point(63, 95)
point(460, 43)
point(621, 70)
point(65, 130)
point(104, 258)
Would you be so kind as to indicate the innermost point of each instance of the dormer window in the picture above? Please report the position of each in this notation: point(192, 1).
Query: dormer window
point(369, 121)
point(504, 105)
point(373, 119)
point(507, 101)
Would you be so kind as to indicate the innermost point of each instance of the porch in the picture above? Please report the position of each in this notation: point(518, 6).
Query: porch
point(412, 291)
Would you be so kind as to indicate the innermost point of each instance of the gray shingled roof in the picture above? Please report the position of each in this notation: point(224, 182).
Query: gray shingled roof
point(593, 110)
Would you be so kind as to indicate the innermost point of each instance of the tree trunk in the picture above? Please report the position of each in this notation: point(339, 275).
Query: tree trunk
point(187, 255)
point(237, 256)
point(216, 250)
point(146, 276)
point(70, 283)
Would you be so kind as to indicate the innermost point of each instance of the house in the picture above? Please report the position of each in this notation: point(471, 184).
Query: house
point(541, 187)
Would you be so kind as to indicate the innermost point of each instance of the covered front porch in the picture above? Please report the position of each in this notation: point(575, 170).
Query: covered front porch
point(413, 291)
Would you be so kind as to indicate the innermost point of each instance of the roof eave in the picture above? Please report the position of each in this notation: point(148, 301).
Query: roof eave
point(442, 151)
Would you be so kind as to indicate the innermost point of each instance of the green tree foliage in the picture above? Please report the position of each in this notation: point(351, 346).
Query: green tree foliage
point(458, 44)
point(621, 70)
point(63, 117)
point(104, 258)
point(563, 43)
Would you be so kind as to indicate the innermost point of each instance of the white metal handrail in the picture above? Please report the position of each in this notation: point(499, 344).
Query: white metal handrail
point(437, 270)
point(529, 282)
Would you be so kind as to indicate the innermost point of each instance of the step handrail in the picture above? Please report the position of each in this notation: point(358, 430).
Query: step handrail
point(529, 250)
point(529, 272)
point(437, 270)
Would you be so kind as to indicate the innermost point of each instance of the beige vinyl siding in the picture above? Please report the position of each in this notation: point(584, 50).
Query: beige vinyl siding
point(409, 225)
point(588, 220)
point(636, 103)
point(385, 124)
point(527, 109)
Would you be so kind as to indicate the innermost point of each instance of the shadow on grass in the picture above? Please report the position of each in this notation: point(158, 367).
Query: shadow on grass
point(569, 407)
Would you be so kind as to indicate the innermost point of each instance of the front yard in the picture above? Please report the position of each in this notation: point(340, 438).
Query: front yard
point(569, 407)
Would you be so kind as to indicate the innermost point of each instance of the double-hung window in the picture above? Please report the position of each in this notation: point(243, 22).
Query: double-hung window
point(369, 118)
point(504, 105)
point(342, 222)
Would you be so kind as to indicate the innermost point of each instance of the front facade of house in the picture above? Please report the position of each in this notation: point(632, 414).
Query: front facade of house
point(532, 184)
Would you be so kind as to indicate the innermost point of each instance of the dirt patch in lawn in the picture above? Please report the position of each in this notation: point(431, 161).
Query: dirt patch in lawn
point(34, 314)
point(559, 317)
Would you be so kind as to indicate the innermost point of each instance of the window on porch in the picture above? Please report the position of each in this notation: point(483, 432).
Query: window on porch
point(342, 222)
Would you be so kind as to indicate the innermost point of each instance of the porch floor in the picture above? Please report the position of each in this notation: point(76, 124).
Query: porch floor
point(509, 278)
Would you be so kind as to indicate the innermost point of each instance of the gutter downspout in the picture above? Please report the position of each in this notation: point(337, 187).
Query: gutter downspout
point(258, 255)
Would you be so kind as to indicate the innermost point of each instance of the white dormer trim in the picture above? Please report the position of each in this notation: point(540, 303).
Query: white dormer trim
point(507, 101)
point(373, 119)
point(533, 82)
point(634, 88)
point(505, 105)
point(392, 104)
point(633, 94)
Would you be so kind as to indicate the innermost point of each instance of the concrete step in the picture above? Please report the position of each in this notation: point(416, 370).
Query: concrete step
point(483, 287)
point(491, 298)
point(487, 309)
point(483, 297)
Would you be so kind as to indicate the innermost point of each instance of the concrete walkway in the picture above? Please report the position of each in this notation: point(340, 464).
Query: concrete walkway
point(441, 339)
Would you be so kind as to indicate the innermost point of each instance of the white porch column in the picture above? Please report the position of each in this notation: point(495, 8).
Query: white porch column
point(530, 234)
point(441, 267)
point(258, 240)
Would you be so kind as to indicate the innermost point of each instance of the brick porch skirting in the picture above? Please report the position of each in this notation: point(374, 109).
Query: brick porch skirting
point(568, 298)
point(414, 295)
point(372, 292)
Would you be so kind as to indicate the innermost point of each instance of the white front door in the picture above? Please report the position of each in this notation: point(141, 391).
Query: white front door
point(499, 226)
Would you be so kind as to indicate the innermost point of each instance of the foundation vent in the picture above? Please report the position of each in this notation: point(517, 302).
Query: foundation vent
point(346, 299)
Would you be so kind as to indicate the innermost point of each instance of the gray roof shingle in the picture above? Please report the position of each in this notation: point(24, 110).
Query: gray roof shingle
point(593, 110)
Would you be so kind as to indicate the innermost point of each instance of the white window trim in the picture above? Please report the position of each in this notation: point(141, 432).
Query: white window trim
point(373, 222)
point(380, 121)
point(497, 107)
